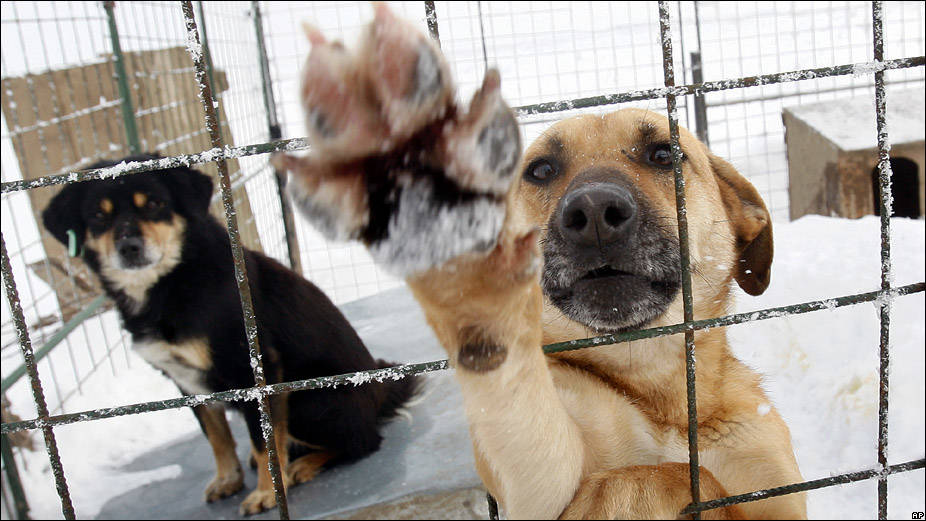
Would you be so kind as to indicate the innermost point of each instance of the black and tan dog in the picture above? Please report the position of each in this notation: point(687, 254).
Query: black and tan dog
point(593, 433)
point(167, 264)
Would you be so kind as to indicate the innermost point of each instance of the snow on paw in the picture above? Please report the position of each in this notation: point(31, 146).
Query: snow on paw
point(436, 185)
point(431, 221)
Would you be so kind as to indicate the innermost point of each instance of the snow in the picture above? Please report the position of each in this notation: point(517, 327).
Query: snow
point(92, 452)
point(821, 368)
point(820, 372)
point(850, 123)
point(763, 409)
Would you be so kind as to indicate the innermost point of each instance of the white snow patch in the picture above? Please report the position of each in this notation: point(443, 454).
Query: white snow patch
point(821, 369)
point(93, 452)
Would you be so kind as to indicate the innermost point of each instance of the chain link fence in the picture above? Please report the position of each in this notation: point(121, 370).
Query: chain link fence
point(203, 84)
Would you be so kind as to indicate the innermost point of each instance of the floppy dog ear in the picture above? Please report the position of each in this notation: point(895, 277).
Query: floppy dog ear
point(191, 189)
point(63, 213)
point(752, 225)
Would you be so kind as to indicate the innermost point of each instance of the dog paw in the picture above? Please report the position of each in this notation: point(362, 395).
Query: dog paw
point(395, 162)
point(306, 467)
point(257, 501)
point(300, 473)
point(224, 486)
point(407, 73)
point(341, 119)
point(484, 145)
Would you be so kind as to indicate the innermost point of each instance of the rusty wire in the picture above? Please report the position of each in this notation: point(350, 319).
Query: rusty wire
point(261, 392)
point(241, 272)
point(668, 67)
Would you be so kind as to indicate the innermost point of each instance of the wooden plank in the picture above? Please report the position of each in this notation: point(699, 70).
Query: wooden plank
point(66, 119)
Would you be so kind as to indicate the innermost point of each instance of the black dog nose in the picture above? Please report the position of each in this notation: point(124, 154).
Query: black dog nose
point(597, 215)
point(130, 248)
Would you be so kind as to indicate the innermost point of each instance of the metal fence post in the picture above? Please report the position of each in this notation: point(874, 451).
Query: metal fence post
point(241, 272)
point(38, 394)
point(493, 507)
point(430, 14)
point(697, 76)
point(11, 478)
point(700, 107)
point(128, 113)
point(273, 124)
point(885, 203)
point(205, 43)
point(665, 29)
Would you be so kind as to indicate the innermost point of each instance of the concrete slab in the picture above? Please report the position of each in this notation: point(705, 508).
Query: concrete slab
point(424, 469)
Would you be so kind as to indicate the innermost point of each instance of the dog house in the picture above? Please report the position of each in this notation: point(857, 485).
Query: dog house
point(833, 156)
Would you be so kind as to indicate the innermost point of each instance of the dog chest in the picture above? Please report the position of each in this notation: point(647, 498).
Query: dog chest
point(186, 363)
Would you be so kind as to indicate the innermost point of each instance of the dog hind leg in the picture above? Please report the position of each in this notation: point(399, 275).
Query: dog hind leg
point(645, 492)
point(305, 468)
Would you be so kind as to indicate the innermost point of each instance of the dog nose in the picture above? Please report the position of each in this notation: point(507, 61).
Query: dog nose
point(597, 215)
point(130, 248)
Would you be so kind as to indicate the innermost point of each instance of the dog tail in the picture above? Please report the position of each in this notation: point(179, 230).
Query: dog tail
point(398, 393)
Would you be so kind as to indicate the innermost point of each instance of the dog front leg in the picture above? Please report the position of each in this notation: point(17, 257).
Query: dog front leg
point(263, 497)
point(424, 184)
point(228, 476)
point(645, 492)
point(486, 311)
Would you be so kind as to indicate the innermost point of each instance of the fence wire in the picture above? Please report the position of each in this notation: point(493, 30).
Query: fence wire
point(197, 52)
point(261, 392)
point(50, 295)
point(668, 66)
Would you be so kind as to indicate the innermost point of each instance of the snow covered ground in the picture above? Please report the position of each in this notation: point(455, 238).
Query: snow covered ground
point(820, 370)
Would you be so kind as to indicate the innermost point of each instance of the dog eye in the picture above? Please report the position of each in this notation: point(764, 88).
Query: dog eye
point(154, 204)
point(661, 155)
point(540, 172)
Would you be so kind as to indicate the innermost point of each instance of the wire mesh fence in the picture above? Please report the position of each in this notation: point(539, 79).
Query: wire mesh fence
point(130, 86)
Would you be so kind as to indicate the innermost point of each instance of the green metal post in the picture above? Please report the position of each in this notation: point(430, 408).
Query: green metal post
point(55, 339)
point(128, 113)
point(668, 67)
point(12, 479)
point(206, 54)
point(273, 124)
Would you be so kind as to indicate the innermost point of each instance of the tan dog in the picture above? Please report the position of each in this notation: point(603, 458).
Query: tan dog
point(592, 433)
